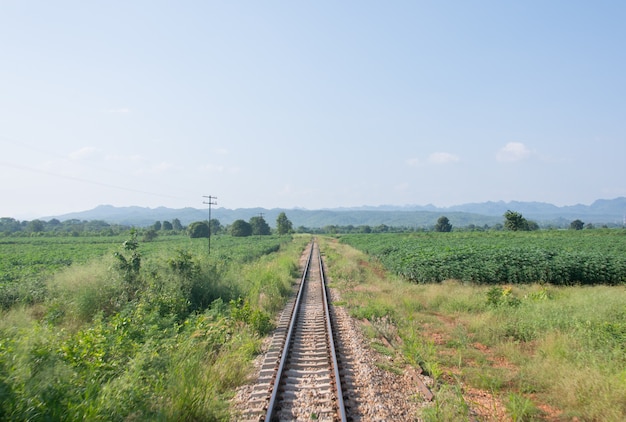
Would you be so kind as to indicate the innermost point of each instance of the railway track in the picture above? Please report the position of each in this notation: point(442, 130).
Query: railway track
point(300, 377)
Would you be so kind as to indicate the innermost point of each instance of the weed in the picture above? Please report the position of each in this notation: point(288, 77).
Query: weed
point(448, 405)
point(520, 408)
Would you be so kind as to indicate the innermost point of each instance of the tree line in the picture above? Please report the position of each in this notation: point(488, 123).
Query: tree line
point(255, 226)
point(72, 227)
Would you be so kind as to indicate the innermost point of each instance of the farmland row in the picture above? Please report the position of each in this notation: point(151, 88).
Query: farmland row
point(560, 258)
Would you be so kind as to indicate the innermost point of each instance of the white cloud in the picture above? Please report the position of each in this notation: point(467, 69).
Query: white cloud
point(82, 153)
point(513, 151)
point(442, 158)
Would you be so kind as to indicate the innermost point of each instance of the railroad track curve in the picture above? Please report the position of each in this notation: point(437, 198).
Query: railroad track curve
point(300, 377)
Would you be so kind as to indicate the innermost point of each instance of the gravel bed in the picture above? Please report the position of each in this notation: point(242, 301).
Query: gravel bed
point(372, 393)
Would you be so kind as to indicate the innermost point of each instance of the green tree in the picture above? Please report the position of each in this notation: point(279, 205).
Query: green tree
point(176, 224)
point(95, 225)
point(198, 229)
point(9, 225)
point(576, 225)
point(283, 225)
point(167, 225)
point(514, 221)
point(382, 228)
point(443, 225)
point(54, 223)
point(149, 235)
point(215, 226)
point(240, 228)
point(157, 225)
point(532, 225)
point(35, 226)
point(365, 229)
point(259, 226)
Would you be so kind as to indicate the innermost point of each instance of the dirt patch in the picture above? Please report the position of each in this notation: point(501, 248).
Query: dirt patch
point(485, 405)
point(376, 269)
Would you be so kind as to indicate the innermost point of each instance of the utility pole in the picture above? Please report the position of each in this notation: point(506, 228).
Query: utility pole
point(211, 201)
point(260, 221)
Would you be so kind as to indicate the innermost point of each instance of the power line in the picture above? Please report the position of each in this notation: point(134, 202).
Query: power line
point(93, 164)
point(81, 180)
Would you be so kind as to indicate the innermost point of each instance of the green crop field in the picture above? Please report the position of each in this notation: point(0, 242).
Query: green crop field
point(556, 257)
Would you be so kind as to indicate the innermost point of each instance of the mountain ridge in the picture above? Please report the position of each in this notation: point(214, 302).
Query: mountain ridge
point(601, 211)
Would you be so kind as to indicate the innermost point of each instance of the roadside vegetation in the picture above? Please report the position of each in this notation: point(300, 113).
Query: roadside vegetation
point(525, 351)
point(125, 329)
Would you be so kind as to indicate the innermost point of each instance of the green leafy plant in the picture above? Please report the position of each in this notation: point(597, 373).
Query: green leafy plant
point(129, 263)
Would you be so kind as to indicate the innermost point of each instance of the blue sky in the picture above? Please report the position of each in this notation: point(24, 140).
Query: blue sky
point(309, 104)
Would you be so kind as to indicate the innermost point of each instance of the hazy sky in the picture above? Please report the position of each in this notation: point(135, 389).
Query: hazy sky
point(309, 104)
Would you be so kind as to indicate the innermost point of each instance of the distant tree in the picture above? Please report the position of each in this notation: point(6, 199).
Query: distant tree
point(176, 224)
point(576, 225)
point(330, 229)
point(283, 225)
point(9, 225)
point(382, 228)
point(240, 228)
point(215, 226)
point(531, 225)
point(365, 229)
point(259, 226)
point(157, 225)
point(514, 221)
point(443, 225)
point(167, 225)
point(95, 225)
point(35, 226)
point(198, 229)
point(149, 235)
point(589, 226)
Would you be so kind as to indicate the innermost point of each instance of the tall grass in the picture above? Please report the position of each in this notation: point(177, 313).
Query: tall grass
point(172, 342)
point(526, 344)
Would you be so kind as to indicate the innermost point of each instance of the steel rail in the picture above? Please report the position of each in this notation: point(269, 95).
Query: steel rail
point(331, 342)
point(283, 358)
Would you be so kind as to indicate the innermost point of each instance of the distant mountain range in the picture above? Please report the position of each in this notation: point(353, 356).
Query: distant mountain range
point(602, 211)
